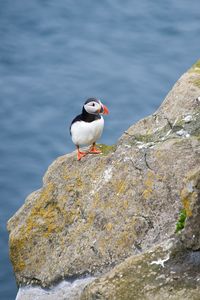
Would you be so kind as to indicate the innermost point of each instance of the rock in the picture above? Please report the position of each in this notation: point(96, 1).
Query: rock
point(91, 215)
point(154, 275)
point(170, 270)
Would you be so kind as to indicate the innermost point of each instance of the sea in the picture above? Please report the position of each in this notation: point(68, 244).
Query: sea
point(56, 54)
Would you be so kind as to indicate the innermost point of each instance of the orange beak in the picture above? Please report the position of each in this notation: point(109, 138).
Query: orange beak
point(105, 110)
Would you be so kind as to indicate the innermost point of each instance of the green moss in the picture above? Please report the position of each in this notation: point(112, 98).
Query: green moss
point(144, 138)
point(197, 82)
point(106, 149)
point(197, 64)
point(193, 128)
point(152, 137)
point(181, 220)
point(196, 67)
point(179, 124)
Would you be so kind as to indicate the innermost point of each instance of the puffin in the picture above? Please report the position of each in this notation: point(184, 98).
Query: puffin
point(87, 128)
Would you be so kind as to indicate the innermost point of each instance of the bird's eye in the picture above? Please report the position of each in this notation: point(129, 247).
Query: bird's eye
point(93, 104)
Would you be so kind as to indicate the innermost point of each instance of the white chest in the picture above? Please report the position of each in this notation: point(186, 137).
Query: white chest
point(86, 133)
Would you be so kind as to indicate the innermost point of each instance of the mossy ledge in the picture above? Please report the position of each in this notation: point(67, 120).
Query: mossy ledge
point(196, 71)
point(106, 149)
point(196, 67)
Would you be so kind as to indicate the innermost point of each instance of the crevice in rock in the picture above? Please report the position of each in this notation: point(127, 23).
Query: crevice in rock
point(126, 132)
point(30, 281)
point(146, 162)
point(136, 167)
point(95, 250)
point(169, 122)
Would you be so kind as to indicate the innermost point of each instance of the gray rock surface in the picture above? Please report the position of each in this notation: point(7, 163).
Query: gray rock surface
point(157, 274)
point(169, 270)
point(91, 215)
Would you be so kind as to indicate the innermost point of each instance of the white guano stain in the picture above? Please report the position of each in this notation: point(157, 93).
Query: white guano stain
point(142, 145)
point(106, 176)
point(187, 119)
point(183, 133)
point(189, 186)
point(160, 261)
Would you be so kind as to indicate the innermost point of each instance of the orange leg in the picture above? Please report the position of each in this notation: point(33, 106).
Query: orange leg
point(80, 154)
point(94, 150)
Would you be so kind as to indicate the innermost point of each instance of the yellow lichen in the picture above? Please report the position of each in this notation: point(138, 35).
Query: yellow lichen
point(15, 257)
point(196, 67)
point(147, 193)
point(91, 217)
point(125, 239)
point(79, 182)
point(189, 194)
point(148, 183)
point(109, 226)
point(120, 186)
point(44, 215)
point(125, 204)
point(102, 243)
point(96, 200)
point(42, 219)
point(149, 180)
point(186, 205)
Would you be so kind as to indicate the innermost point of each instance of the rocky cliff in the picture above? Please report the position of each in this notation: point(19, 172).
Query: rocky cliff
point(129, 216)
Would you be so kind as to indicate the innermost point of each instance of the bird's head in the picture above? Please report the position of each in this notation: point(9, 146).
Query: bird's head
point(94, 106)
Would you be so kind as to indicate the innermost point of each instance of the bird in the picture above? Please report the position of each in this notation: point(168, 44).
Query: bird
point(87, 128)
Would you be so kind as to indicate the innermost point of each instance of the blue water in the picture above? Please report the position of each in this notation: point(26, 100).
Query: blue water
point(54, 55)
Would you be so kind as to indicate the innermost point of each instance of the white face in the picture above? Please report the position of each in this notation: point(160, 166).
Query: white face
point(93, 107)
